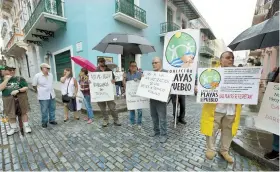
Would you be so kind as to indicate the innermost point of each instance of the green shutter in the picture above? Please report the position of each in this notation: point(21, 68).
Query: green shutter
point(62, 61)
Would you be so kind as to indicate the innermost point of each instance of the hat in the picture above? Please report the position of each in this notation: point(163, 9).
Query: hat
point(9, 67)
point(45, 65)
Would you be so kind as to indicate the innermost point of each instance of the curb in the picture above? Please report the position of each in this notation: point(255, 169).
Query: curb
point(239, 147)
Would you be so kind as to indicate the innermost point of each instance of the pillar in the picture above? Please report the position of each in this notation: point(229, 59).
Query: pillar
point(120, 61)
point(138, 60)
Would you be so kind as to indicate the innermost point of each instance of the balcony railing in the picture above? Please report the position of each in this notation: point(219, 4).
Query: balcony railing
point(48, 6)
point(15, 38)
point(131, 10)
point(168, 27)
point(206, 50)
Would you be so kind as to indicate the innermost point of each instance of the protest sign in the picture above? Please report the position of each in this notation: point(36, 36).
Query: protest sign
point(101, 87)
point(268, 117)
point(180, 57)
point(118, 76)
point(155, 85)
point(132, 100)
point(233, 85)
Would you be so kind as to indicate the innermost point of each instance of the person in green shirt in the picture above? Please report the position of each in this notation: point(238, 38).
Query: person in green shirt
point(14, 86)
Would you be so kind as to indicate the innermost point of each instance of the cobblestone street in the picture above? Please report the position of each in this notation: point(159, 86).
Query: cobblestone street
point(75, 145)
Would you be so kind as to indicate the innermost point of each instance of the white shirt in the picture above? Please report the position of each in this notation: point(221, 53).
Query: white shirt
point(44, 86)
point(71, 87)
point(228, 109)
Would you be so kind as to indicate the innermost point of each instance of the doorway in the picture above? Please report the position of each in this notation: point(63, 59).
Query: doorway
point(62, 61)
point(126, 59)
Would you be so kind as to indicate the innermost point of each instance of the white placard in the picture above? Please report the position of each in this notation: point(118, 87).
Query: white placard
point(155, 85)
point(132, 100)
point(268, 117)
point(118, 76)
point(101, 87)
point(232, 85)
point(180, 56)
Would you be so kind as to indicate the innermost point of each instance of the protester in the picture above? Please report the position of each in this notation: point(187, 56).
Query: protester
point(84, 84)
point(274, 154)
point(11, 87)
point(158, 109)
point(182, 103)
point(111, 104)
point(43, 85)
point(270, 75)
point(118, 85)
point(69, 89)
point(133, 75)
point(220, 116)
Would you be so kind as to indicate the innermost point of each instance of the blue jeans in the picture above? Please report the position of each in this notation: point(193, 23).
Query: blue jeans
point(47, 110)
point(118, 89)
point(88, 106)
point(132, 116)
point(275, 143)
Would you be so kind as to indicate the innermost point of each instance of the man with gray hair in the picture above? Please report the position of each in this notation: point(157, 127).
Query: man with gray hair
point(158, 109)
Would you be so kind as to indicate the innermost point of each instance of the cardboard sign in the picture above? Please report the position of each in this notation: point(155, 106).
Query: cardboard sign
point(268, 117)
point(132, 100)
point(180, 56)
point(101, 87)
point(118, 76)
point(155, 85)
point(231, 85)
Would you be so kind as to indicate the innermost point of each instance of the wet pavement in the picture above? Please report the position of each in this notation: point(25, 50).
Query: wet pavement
point(75, 145)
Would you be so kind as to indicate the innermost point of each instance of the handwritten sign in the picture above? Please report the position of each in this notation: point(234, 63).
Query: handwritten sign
point(155, 85)
point(101, 87)
point(234, 85)
point(132, 100)
point(184, 81)
point(268, 117)
point(118, 76)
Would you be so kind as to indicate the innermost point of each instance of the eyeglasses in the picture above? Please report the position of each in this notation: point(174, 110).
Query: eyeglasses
point(133, 66)
point(155, 62)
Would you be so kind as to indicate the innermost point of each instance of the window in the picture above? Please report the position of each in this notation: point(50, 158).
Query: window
point(62, 61)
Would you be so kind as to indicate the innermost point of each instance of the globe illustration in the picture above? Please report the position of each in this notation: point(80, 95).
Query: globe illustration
point(181, 49)
point(210, 79)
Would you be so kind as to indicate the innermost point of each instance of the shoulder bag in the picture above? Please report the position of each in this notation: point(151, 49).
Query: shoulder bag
point(65, 97)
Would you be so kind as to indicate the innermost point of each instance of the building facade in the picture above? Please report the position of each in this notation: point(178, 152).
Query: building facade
point(55, 30)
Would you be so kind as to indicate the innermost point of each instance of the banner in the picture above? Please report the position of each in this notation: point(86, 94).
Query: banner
point(233, 85)
point(132, 100)
point(118, 76)
point(101, 87)
point(180, 56)
point(155, 85)
point(268, 117)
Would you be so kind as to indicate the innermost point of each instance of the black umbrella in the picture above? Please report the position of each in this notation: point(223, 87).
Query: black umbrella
point(119, 43)
point(262, 35)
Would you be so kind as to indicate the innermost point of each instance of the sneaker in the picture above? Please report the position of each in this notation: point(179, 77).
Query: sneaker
point(163, 139)
point(271, 155)
point(117, 123)
point(27, 129)
point(105, 123)
point(89, 121)
point(86, 119)
point(53, 122)
point(227, 157)
point(210, 154)
point(139, 127)
point(44, 125)
point(154, 134)
point(12, 131)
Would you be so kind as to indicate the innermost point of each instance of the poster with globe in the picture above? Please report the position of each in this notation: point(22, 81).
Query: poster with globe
point(180, 57)
point(231, 85)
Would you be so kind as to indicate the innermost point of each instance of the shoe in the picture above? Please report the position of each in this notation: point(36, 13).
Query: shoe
point(77, 118)
point(89, 121)
point(210, 154)
point(227, 157)
point(12, 131)
point(86, 119)
point(105, 123)
point(154, 134)
point(117, 123)
point(182, 121)
point(271, 155)
point(53, 122)
point(139, 127)
point(163, 139)
point(26, 128)
point(44, 125)
point(65, 120)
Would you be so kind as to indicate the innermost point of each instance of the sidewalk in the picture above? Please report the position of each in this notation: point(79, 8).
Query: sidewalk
point(252, 142)
point(120, 102)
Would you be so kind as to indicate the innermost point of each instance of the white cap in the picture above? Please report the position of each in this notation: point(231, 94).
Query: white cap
point(45, 65)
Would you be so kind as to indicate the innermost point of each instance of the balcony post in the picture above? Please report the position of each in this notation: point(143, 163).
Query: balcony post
point(62, 6)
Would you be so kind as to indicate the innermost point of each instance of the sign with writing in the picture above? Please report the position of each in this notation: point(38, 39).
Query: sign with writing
point(155, 85)
point(233, 85)
point(132, 100)
point(101, 87)
point(268, 117)
point(118, 76)
point(180, 55)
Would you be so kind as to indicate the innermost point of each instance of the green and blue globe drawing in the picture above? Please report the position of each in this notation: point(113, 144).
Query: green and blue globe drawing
point(181, 47)
point(210, 79)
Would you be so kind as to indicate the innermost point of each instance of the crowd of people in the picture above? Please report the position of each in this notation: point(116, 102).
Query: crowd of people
point(76, 91)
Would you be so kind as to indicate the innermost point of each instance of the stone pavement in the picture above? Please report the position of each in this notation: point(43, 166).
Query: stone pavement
point(76, 145)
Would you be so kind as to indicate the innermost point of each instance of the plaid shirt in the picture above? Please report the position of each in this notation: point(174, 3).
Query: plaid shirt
point(84, 86)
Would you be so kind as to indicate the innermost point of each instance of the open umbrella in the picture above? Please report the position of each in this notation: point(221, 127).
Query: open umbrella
point(84, 63)
point(262, 35)
point(111, 65)
point(119, 43)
